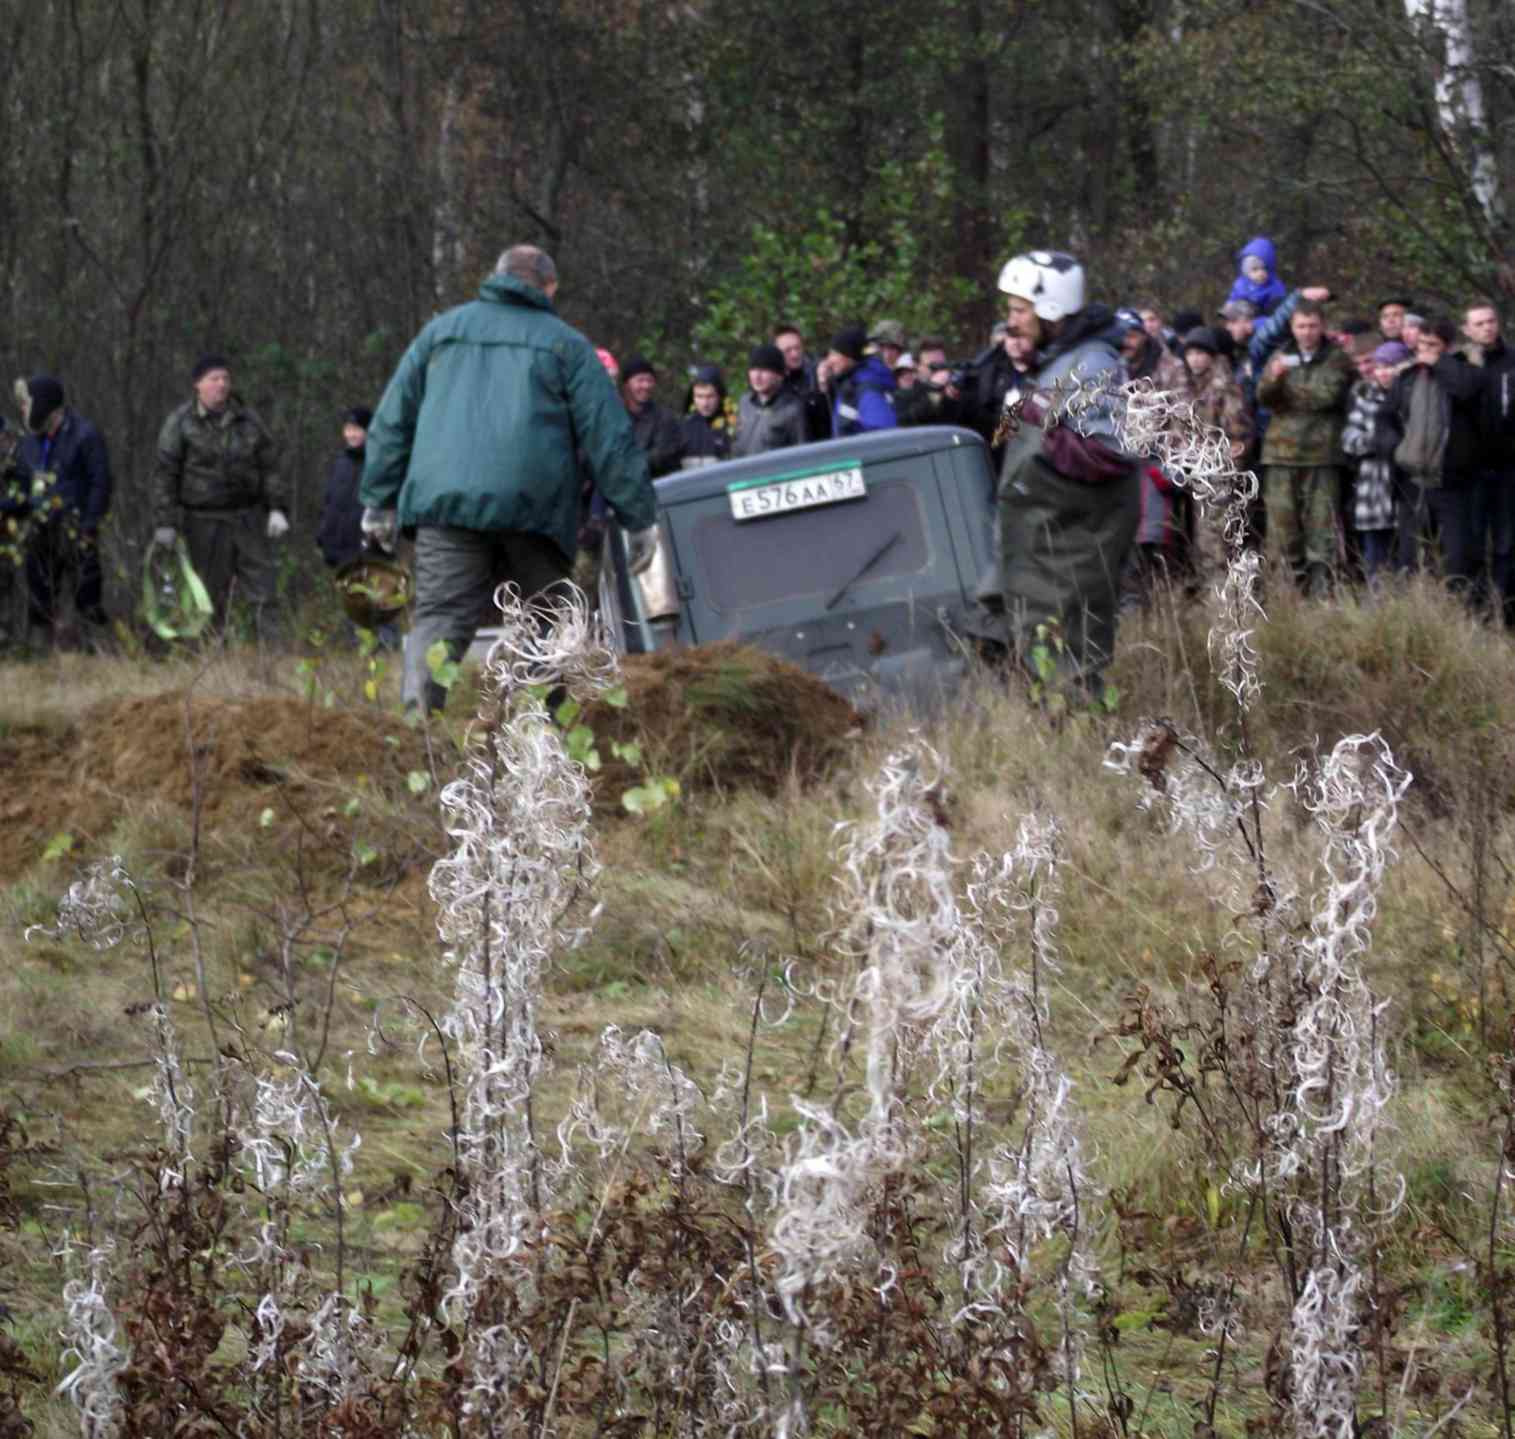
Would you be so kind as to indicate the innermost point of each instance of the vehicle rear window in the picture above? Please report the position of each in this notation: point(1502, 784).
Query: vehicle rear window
point(810, 552)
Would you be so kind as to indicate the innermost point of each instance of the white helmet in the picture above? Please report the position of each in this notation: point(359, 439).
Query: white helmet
point(1051, 280)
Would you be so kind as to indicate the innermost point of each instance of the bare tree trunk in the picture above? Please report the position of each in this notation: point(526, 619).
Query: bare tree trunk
point(1448, 35)
point(447, 230)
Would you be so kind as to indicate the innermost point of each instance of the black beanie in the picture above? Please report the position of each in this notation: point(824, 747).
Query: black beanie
point(766, 357)
point(205, 364)
point(46, 396)
point(637, 365)
point(359, 415)
point(851, 342)
point(1202, 337)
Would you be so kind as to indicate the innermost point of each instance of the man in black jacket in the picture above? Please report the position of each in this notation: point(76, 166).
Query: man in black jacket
point(1494, 503)
point(1432, 428)
point(657, 430)
point(800, 380)
point(70, 494)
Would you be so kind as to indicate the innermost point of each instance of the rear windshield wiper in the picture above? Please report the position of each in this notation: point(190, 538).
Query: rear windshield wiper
point(868, 564)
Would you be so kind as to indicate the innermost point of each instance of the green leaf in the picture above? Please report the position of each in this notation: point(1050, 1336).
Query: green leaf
point(444, 670)
point(364, 852)
point(568, 712)
point(58, 847)
point(418, 781)
point(650, 797)
point(1136, 1318)
point(616, 698)
point(628, 753)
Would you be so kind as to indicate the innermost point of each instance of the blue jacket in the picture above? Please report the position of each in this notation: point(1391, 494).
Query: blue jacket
point(1266, 295)
point(864, 399)
point(77, 456)
point(486, 417)
point(1267, 336)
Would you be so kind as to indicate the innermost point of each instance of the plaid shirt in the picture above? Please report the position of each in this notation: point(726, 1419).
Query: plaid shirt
point(1373, 490)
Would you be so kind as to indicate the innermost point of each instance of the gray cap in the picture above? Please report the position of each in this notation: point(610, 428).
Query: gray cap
point(887, 332)
point(1238, 310)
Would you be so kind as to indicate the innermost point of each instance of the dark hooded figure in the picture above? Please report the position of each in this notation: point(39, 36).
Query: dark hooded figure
point(340, 535)
point(707, 430)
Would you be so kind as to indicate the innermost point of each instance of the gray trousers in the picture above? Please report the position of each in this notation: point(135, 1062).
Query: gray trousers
point(457, 572)
point(232, 554)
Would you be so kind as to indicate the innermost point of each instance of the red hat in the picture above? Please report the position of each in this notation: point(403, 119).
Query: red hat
point(608, 360)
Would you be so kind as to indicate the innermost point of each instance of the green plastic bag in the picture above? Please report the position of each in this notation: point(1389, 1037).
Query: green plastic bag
point(175, 602)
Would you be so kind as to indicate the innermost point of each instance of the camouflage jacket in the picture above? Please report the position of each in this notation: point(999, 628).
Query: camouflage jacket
point(1218, 401)
point(1308, 404)
point(215, 462)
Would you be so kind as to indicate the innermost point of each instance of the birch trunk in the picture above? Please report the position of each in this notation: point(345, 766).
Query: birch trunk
point(1446, 29)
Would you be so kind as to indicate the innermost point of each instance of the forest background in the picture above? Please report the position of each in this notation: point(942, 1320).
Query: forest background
point(301, 183)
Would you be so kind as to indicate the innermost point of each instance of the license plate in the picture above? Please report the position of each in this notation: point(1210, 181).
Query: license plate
point(765, 498)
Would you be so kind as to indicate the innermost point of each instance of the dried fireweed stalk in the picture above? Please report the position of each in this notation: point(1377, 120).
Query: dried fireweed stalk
point(1340, 1082)
point(95, 910)
point(519, 821)
point(1303, 1052)
point(932, 997)
point(90, 1336)
point(654, 1096)
point(1037, 1190)
point(898, 892)
point(1164, 428)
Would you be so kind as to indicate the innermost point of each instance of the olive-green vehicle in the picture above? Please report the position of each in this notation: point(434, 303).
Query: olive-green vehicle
point(855, 559)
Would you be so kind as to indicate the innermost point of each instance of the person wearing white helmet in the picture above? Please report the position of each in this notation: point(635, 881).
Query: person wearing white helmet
point(1069, 496)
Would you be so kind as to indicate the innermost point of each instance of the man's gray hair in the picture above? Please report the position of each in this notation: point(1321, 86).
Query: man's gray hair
point(528, 264)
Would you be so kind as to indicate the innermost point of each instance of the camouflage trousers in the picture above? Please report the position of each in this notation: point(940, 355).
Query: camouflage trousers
point(1304, 521)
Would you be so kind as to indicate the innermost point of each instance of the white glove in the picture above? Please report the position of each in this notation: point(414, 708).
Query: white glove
point(642, 549)
point(278, 525)
point(379, 527)
point(165, 535)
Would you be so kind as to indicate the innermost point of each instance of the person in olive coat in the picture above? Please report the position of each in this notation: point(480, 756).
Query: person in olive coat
point(477, 443)
point(218, 483)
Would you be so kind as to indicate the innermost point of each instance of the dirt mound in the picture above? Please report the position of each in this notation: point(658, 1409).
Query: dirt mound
point(722, 716)
point(234, 752)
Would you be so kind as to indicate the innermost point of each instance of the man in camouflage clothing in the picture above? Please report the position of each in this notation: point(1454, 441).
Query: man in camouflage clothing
point(217, 481)
point(1305, 387)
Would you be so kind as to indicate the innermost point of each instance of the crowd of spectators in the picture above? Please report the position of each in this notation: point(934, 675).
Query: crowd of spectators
point(1383, 443)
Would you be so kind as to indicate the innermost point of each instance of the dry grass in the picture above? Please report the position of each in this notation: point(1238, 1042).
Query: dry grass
point(703, 897)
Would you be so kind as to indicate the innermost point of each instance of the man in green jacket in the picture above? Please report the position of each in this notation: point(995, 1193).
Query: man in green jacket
point(1305, 387)
point(217, 480)
point(477, 444)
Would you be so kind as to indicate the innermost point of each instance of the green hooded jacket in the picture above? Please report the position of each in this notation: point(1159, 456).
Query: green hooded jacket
point(488, 417)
